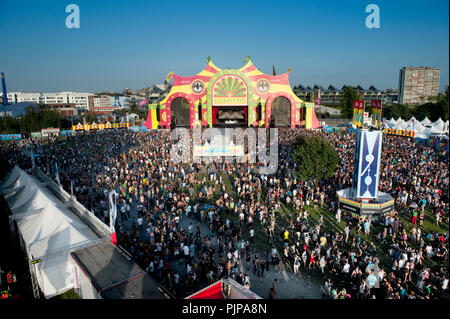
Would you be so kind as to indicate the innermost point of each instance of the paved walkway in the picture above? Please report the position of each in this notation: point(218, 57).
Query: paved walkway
point(289, 285)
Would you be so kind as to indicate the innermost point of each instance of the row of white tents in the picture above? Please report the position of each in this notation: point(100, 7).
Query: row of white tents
point(424, 127)
point(48, 229)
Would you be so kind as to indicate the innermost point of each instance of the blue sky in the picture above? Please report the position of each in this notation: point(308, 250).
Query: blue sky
point(136, 43)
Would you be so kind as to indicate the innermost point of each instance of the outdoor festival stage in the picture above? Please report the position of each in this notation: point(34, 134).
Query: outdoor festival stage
point(231, 97)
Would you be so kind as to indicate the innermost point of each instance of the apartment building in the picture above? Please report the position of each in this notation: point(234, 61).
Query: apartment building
point(416, 84)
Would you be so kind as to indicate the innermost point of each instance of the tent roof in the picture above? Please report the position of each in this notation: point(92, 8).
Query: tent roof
point(438, 126)
point(53, 229)
point(426, 121)
point(431, 130)
point(439, 121)
point(48, 228)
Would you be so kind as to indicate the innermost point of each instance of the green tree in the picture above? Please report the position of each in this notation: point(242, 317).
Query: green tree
point(315, 158)
point(396, 111)
point(91, 118)
point(436, 108)
point(348, 96)
point(50, 118)
point(134, 108)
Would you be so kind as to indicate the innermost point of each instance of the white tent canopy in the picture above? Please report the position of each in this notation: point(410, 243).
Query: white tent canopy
point(401, 125)
point(426, 122)
point(412, 120)
point(439, 125)
point(49, 230)
point(415, 126)
point(439, 121)
point(425, 126)
point(431, 130)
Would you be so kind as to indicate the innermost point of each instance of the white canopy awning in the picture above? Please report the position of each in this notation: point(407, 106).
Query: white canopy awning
point(439, 126)
point(426, 122)
point(431, 130)
point(50, 230)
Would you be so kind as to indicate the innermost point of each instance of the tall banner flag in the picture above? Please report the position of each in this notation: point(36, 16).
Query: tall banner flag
point(113, 215)
point(361, 113)
point(367, 156)
point(355, 112)
point(374, 112)
point(358, 112)
point(380, 109)
point(169, 76)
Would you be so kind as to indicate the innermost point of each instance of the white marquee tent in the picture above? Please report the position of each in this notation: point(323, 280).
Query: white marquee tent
point(422, 127)
point(48, 230)
point(425, 122)
point(414, 125)
point(431, 130)
point(439, 125)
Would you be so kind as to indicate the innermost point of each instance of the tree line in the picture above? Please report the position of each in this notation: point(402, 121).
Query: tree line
point(436, 107)
point(34, 120)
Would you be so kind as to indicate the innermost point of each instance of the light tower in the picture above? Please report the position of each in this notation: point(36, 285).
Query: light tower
point(5, 97)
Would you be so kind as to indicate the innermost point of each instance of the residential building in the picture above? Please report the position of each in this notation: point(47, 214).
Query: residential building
point(127, 91)
point(80, 100)
point(154, 93)
point(416, 84)
point(65, 109)
point(333, 95)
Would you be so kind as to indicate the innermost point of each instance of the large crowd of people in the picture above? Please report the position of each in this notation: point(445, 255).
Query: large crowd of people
point(391, 256)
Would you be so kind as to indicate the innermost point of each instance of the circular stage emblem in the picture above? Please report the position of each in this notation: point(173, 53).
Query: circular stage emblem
point(263, 85)
point(198, 86)
point(370, 157)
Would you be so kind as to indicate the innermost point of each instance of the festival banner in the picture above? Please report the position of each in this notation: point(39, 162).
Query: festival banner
point(379, 119)
point(355, 112)
point(138, 128)
point(394, 131)
point(8, 137)
point(65, 132)
point(361, 112)
point(121, 125)
point(36, 134)
point(358, 112)
point(78, 127)
point(374, 112)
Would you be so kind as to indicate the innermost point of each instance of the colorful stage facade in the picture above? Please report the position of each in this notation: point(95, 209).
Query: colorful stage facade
point(222, 97)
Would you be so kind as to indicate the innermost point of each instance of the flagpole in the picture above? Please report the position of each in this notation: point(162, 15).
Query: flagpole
point(32, 159)
point(57, 174)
